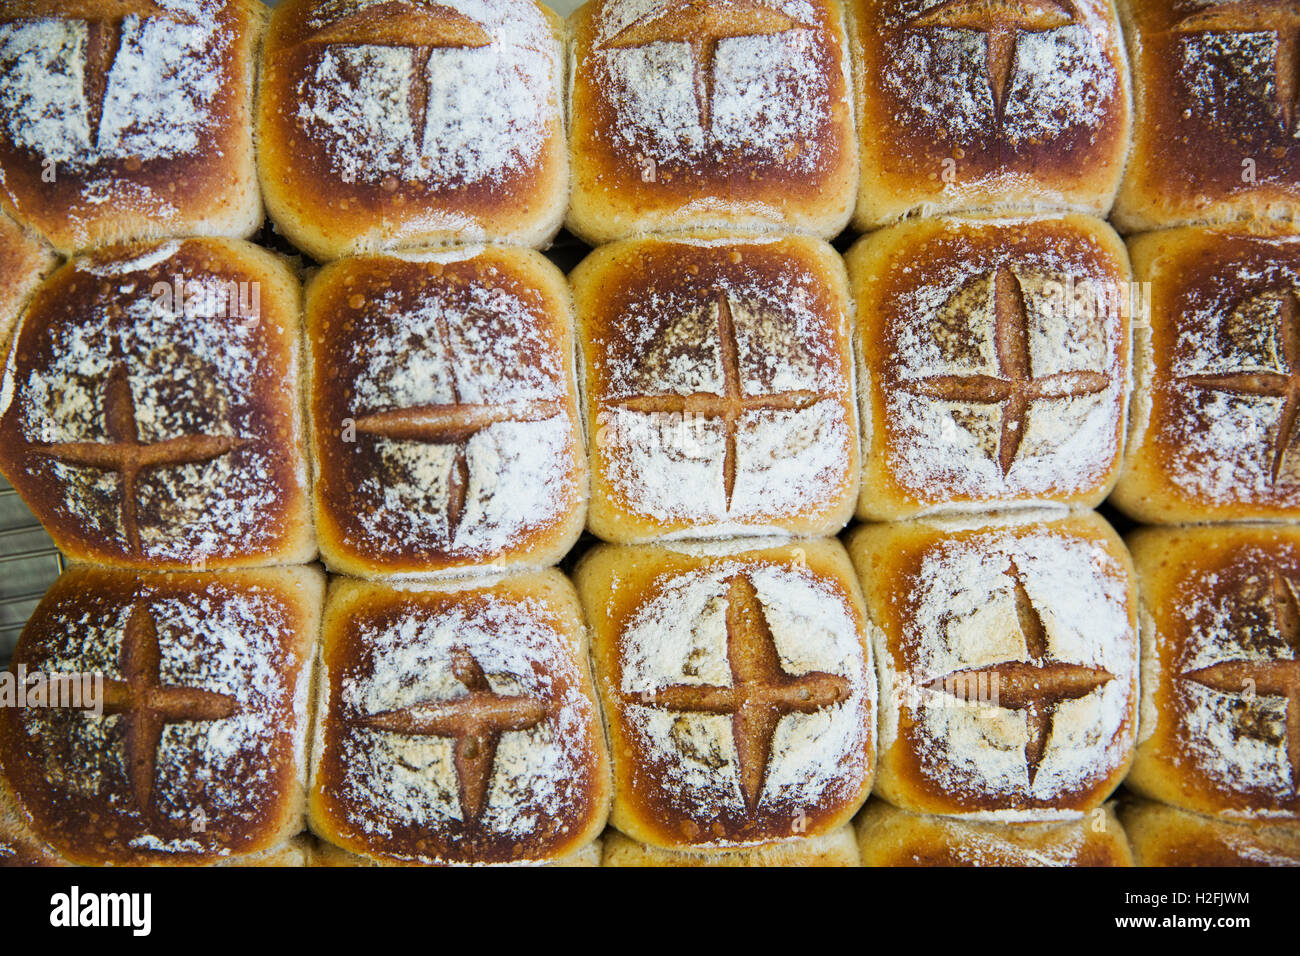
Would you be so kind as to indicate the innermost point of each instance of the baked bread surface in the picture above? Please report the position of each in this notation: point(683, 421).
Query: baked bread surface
point(1166, 836)
point(24, 261)
point(835, 848)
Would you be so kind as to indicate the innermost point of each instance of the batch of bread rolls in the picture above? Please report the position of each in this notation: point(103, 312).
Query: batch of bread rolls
point(393, 383)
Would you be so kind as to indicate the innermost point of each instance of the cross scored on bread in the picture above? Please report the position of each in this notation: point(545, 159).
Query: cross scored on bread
point(702, 24)
point(731, 404)
point(1037, 686)
point(1279, 17)
point(761, 691)
point(1279, 677)
point(103, 40)
point(1284, 384)
point(1015, 387)
point(475, 722)
point(125, 454)
point(1001, 22)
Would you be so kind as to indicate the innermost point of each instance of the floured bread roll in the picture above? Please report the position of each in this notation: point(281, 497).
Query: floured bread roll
point(718, 387)
point(327, 854)
point(129, 119)
point(391, 123)
point(994, 362)
point(150, 409)
point(443, 401)
point(970, 105)
point(24, 261)
point(1220, 670)
point(888, 836)
point(734, 114)
point(737, 688)
point(1215, 133)
point(1008, 659)
point(835, 848)
point(1213, 433)
point(458, 724)
point(173, 727)
point(1166, 836)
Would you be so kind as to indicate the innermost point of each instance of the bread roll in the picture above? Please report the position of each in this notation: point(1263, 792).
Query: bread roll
point(384, 125)
point(458, 723)
point(1220, 670)
point(1165, 836)
point(888, 836)
point(734, 114)
point(327, 854)
point(1213, 433)
point(1215, 118)
point(443, 401)
point(173, 722)
point(835, 848)
point(737, 688)
point(150, 410)
point(129, 119)
point(994, 362)
point(718, 387)
point(970, 105)
point(1008, 658)
point(24, 261)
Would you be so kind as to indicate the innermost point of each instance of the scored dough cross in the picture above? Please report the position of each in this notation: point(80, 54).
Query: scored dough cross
point(702, 24)
point(761, 690)
point(1037, 686)
point(475, 722)
point(1001, 22)
point(1279, 17)
point(1015, 387)
point(125, 454)
point(1279, 677)
point(731, 404)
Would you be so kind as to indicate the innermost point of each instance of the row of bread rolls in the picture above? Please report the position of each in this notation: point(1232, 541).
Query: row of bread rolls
point(368, 125)
point(706, 698)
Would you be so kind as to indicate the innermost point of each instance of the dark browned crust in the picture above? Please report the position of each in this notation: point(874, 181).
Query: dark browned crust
point(98, 829)
point(1165, 836)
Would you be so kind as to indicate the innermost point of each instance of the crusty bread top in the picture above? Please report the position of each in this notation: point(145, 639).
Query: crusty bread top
point(1165, 836)
point(199, 751)
point(154, 429)
point(24, 260)
point(457, 723)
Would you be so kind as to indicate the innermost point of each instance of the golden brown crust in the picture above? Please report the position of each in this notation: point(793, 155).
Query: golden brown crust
point(150, 413)
point(718, 387)
point(1008, 658)
point(198, 750)
point(327, 854)
point(1212, 435)
point(458, 723)
point(1215, 117)
point(338, 155)
point(773, 77)
point(444, 410)
point(965, 106)
point(835, 848)
point(156, 141)
point(24, 261)
point(994, 361)
point(737, 689)
point(1221, 670)
point(1165, 836)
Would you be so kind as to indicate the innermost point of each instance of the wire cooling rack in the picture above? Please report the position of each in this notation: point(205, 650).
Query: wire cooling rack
point(29, 563)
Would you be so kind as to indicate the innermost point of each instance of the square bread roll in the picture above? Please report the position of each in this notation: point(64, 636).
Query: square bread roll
point(835, 848)
point(173, 718)
point(129, 119)
point(718, 387)
point(888, 836)
point(734, 114)
point(969, 105)
point(24, 261)
point(737, 687)
point(150, 408)
point(444, 412)
point(1166, 836)
point(384, 125)
point(994, 363)
point(1215, 132)
point(458, 723)
point(1220, 669)
point(1007, 651)
point(1213, 424)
